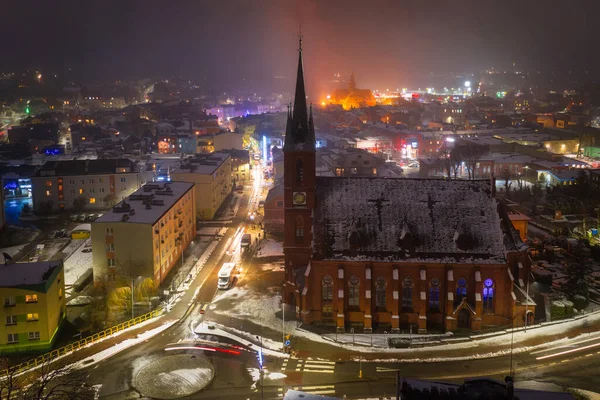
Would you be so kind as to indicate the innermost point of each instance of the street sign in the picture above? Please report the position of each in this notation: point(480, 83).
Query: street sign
point(287, 342)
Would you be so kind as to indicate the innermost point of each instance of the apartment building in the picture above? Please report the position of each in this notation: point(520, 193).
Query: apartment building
point(240, 165)
point(34, 306)
point(211, 175)
point(145, 235)
point(85, 184)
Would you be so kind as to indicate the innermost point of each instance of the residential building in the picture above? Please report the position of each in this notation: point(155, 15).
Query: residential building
point(85, 184)
point(240, 166)
point(34, 306)
point(145, 234)
point(211, 175)
point(228, 140)
point(563, 177)
point(351, 162)
point(395, 253)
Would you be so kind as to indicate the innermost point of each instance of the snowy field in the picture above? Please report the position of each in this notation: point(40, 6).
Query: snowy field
point(78, 263)
point(270, 248)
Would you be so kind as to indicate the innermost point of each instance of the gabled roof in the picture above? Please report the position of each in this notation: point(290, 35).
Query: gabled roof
point(411, 220)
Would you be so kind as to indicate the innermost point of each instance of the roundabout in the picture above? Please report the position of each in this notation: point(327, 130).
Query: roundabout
point(174, 376)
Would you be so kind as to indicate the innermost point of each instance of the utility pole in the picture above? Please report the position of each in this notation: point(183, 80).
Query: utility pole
point(526, 303)
point(283, 322)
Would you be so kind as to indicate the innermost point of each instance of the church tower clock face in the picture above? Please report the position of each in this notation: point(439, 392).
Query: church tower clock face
point(299, 198)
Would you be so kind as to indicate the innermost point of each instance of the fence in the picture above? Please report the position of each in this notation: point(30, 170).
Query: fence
point(71, 347)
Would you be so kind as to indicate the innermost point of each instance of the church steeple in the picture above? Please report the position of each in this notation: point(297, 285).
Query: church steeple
point(299, 133)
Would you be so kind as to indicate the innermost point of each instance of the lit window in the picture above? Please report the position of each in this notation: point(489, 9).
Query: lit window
point(92, 200)
point(31, 298)
point(434, 294)
point(33, 317)
point(80, 191)
point(488, 296)
point(48, 193)
point(49, 183)
point(60, 293)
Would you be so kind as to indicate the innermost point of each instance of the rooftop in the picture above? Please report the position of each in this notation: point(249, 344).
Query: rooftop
point(414, 220)
point(87, 167)
point(27, 274)
point(205, 164)
point(147, 204)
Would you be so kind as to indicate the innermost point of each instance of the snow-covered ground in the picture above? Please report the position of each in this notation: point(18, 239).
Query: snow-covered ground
point(11, 251)
point(111, 351)
point(261, 309)
point(79, 262)
point(270, 248)
point(211, 230)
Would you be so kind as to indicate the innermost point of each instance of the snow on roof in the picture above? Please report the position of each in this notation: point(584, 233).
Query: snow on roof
point(447, 221)
point(32, 273)
point(205, 164)
point(150, 203)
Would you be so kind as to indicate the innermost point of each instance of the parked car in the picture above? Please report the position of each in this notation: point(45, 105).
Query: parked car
point(53, 234)
point(81, 217)
point(239, 189)
point(261, 203)
point(73, 217)
point(90, 217)
point(87, 250)
point(61, 233)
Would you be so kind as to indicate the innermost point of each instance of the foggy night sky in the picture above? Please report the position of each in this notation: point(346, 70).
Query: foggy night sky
point(385, 42)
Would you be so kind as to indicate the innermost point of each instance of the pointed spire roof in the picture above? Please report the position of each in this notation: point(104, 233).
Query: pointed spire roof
point(300, 130)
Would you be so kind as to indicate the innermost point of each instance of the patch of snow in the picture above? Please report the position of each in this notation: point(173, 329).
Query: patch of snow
point(77, 263)
point(275, 375)
point(203, 329)
point(11, 251)
point(111, 351)
point(80, 301)
point(270, 248)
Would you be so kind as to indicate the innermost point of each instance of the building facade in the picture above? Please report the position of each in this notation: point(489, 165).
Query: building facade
point(227, 141)
point(85, 184)
point(211, 175)
point(397, 254)
point(34, 306)
point(146, 234)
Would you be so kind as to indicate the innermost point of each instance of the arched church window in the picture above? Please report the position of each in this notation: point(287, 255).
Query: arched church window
point(434, 294)
point(380, 293)
point(353, 292)
point(327, 288)
point(299, 229)
point(461, 290)
point(407, 289)
point(488, 296)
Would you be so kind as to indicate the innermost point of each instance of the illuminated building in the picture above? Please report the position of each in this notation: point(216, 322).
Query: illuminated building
point(34, 305)
point(352, 97)
point(396, 253)
point(85, 184)
point(211, 175)
point(146, 233)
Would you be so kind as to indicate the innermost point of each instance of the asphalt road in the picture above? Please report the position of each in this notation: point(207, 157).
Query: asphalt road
point(575, 365)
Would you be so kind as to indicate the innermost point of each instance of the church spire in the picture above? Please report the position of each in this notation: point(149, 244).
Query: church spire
point(299, 131)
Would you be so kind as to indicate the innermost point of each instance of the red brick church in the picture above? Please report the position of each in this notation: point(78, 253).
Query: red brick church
point(393, 253)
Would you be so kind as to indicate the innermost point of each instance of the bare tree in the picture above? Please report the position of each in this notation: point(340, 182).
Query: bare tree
point(507, 176)
point(471, 154)
point(52, 380)
point(450, 161)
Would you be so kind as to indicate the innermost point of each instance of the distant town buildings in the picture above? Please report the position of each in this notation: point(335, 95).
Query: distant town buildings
point(85, 184)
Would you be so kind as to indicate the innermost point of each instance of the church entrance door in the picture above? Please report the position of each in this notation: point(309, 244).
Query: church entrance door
point(463, 318)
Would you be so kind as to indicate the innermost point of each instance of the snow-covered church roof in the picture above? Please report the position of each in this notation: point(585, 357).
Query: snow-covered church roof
point(409, 220)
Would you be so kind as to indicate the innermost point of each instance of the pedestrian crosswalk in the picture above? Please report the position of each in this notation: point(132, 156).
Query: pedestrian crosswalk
point(312, 366)
point(314, 389)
